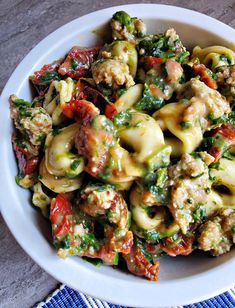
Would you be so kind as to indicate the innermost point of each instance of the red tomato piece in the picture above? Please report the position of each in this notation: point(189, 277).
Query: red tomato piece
point(31, 165)
point(175, 248)
point(60, 215)
point(139, 265)
point(150, 61)
point(203, 72)
point(226, 130)
point(110, 110)
point(26, 163)
point(80, 109)
point(224, 137)
point(78, 61)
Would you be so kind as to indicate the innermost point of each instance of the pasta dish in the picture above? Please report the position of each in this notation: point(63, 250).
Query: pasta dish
point(129, 148)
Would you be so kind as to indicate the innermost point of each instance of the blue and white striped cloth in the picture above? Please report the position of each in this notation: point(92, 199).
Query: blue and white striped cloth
point(66, 297)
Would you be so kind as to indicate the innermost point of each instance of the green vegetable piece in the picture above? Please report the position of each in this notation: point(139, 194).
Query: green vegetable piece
point(123, 18)
point(18, 178)
point(140, 245)
point(74, 64)
point(48, 76)
point(65, 242)
point(150, 235)
point(161, 177)
point(122, 119)
point(116, 259)
point(21, 103)
point(199, 213)
point(96, 262)
point(160, 159)
point(185, 124)
point(75, 164)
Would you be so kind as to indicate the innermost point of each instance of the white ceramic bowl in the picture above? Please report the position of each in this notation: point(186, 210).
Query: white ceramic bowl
point(182, 280)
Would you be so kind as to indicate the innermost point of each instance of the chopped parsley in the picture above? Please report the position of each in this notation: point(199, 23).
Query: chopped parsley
point(75, 164)
point(199, 213)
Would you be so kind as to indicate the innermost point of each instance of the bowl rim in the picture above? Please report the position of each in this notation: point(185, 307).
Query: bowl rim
point(128, 293)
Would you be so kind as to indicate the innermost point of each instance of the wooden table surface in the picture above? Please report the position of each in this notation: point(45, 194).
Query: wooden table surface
point(23, 24)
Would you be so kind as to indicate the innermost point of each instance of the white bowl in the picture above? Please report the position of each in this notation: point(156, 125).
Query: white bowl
point(182, 280)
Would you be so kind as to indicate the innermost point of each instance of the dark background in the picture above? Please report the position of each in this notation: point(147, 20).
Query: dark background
point(24, 23)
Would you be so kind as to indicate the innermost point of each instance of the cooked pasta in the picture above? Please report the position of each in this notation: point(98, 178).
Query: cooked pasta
point(214, 56)
point(129, 148)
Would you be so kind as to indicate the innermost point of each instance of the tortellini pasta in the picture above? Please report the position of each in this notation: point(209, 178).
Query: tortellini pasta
point(182, 140)
point(59, 93)
point(59, 159)
point(144, 222)
point(215, 56)
point(129, 98)
point(56, 183)
point(143, 134)
point(189, 118)
point(224, 181)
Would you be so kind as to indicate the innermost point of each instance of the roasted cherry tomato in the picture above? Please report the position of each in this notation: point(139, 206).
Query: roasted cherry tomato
point(205, 75)
point(60, 215)
point(183, 245)
point(78, 61)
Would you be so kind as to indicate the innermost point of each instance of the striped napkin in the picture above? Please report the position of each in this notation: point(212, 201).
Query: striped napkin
point(66, 297)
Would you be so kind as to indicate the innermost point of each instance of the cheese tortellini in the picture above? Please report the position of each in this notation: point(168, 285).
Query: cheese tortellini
point(59, 159)
point(188, 119)
point(59, 93)
point(214, 56)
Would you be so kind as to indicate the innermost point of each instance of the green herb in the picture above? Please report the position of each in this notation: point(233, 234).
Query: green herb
point(105, 90)
point(207, 190)
point(176, 238)
point(216, 165)
point(21, 103)
point(149, 235)
point(65, 242)
point(94, 261)
point(197, 176)
point(229, 154)
point(233, 229)
point(89, 240)
point(121, 91)
point(128, 224)
point(21, 141)
point(182, 56)
point(140, 245)
point(18, 178)
point(122, 119)
point(116, 259)
point(41, 137)
point(224, 119)
point(24, 113)
point(199, 213)
point(75, 164)
point(185, 124)
point(48, 76)
point(208, 142)
point(55, 131)
point(161, 177)
point(74, 63)
point(149, 102)
point(225, 60)
point(161, 46)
